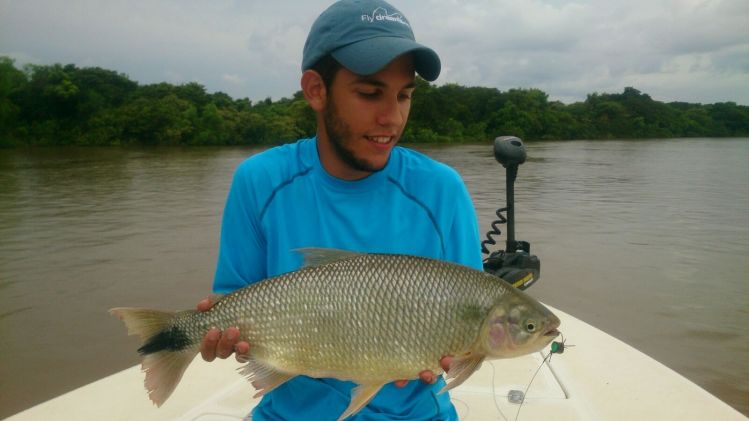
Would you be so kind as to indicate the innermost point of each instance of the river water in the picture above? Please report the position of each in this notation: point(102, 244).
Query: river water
point(645, 239)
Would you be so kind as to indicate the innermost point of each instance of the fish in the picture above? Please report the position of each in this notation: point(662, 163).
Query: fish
point(364, 317)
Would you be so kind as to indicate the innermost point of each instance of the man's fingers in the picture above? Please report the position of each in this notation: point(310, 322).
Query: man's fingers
point(229, 339)
point(445, 363)
point(223, 344)
point(427, 377)
point(218, 344)
point(208, 346)
point(242, 351)
point(400, 383)
point(205, 304)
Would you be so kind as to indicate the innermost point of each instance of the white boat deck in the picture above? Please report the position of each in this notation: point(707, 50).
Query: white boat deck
point(600, 378)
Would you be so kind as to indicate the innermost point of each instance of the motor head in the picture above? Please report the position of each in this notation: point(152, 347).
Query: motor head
point(520, 269)
point(509, 151)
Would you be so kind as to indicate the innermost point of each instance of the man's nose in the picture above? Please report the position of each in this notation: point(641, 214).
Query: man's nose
point(390, 113)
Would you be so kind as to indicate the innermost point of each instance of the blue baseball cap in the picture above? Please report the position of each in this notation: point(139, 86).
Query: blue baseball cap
point(364, 36)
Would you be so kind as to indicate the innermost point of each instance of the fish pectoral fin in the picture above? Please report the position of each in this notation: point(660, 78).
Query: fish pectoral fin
point(360, 397)
point(263, 377)
point(315, 256)
point(461, 369)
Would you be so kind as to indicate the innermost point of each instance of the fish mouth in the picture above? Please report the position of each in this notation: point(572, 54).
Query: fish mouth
point(551, 330)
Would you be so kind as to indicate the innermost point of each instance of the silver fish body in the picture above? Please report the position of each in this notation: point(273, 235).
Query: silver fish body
point(369, 318)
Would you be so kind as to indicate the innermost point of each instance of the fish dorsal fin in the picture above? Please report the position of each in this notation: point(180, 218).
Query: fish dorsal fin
point(317, 256)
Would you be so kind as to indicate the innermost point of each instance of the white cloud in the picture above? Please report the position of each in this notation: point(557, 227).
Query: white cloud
point(572, 48)
point(233, 79)
point(691, 50)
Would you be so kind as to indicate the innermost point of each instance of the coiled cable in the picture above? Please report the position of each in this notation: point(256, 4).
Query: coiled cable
point(495, 231)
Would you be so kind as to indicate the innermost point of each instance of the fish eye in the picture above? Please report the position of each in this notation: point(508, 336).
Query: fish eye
point(530, 326)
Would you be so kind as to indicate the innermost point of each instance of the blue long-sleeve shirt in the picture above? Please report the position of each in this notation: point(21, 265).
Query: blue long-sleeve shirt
point(283, 199)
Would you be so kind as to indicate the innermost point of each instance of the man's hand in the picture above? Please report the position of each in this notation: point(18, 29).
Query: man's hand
point(428, 376)
point(221, 344)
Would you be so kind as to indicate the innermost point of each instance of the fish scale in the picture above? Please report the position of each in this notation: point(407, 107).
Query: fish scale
point(369, 318)
point(367, 306)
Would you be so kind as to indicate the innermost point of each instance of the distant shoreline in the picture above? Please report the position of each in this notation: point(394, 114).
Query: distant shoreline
point(66, 105)
point(405, 143)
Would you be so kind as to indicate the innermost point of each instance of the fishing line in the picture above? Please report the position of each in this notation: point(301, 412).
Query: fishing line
point(557, 347)
point(494, 393)
point(465, 404)
point(525, 392)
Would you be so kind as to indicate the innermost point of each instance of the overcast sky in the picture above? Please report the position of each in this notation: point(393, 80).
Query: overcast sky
point(674, 50)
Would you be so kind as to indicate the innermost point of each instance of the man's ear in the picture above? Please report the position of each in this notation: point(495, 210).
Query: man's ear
point(314, 90)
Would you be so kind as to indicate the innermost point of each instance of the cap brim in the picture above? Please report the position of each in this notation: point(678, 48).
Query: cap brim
point(372, 55)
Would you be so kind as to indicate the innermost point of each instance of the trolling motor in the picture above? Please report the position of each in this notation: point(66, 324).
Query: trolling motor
point(515, 264)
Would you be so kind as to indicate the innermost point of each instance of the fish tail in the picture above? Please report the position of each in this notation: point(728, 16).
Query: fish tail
point(166, 351)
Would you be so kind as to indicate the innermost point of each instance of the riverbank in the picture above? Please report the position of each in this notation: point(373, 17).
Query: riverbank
point(69, 105)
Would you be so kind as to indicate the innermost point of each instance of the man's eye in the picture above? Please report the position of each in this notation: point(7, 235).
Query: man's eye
point(404, 97)
point(368, 94)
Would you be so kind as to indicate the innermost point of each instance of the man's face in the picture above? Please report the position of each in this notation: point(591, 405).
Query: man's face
point(364, 118)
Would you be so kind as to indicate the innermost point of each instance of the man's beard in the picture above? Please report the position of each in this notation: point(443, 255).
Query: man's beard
point(339, 134)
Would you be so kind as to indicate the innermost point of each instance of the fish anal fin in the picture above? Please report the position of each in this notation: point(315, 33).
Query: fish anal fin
point(360, 397)
point(316, 256)
point(461, 369)
point(263, 377)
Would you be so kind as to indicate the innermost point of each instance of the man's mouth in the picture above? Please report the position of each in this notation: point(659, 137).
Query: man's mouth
point(380, 140)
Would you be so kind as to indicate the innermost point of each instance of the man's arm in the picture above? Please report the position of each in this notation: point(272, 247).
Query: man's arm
point(241, 261)
point(462, 236)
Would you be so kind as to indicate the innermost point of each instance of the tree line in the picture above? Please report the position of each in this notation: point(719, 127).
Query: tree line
point(68, 105)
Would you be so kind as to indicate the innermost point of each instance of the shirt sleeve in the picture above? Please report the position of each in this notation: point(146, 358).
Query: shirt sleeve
point(242, 251)
point(463, 234)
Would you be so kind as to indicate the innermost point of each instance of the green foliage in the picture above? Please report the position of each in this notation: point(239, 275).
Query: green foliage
point(10, 79)
point(67, 105)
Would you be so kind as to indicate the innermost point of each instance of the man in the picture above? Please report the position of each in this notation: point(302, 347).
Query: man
point(350, 188)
